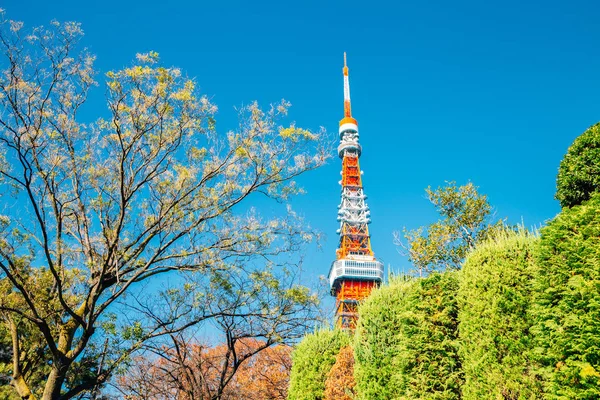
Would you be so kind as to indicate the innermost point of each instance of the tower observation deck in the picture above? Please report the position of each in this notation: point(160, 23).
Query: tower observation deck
point(356, 271)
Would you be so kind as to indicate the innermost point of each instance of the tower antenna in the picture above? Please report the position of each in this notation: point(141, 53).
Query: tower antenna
point(347, 108)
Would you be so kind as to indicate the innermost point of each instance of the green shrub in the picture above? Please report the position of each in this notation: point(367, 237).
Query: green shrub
point(311, 361)
point(566, 306)
point(405, 343)
point(579, 171)
point(494, 297)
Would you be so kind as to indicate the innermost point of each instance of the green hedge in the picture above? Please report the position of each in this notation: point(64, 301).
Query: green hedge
point(494, 298)
point(312, 359)
point(567, 303)
point(579, 171)
point(405, 343)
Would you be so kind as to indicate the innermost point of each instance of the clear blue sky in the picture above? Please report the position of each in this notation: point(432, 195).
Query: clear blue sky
point(491, 92)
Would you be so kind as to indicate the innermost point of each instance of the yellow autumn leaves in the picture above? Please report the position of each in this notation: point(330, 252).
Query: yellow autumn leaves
point(165, 77)
point(293, 133)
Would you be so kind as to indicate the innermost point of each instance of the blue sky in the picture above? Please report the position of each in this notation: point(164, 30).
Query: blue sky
point(491, 92)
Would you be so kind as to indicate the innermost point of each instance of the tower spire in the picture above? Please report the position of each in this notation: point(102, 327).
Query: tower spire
point(347, 108)
point(356, 271)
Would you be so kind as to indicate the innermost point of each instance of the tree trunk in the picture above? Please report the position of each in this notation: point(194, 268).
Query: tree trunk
point(17, 379)
point(54, 383)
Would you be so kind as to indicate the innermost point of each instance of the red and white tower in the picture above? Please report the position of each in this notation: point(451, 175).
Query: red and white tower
point(356, 271)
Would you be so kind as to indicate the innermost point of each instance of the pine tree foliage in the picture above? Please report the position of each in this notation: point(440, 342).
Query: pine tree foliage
point(406, 340)
point(312, 360)
point(340, 382)
point(378, 341)
point(494, 298)
point(579, 171)
point(567, 303)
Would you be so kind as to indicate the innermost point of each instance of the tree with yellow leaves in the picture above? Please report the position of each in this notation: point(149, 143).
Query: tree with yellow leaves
point(92, 213)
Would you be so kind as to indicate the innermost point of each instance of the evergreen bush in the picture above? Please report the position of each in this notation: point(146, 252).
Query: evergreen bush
point(405, 345)
point(566, 307)
point(494, 298)
point(579, 171)
point(311, 361)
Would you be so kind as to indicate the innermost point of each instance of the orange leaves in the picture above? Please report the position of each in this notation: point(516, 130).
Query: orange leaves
point(265, 376)
point(189, 371)
point(340, 379)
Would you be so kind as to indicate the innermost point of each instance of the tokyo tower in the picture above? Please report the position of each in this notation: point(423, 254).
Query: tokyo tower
point(356, 271)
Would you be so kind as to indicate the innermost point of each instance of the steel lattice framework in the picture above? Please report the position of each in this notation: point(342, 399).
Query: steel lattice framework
point(356, 271)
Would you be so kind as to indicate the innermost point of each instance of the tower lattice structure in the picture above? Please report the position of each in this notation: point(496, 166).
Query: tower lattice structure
point(356, 271)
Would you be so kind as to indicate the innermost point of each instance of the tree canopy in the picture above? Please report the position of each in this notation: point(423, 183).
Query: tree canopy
point(579, 172)
point(444, 244)
point(189, 370)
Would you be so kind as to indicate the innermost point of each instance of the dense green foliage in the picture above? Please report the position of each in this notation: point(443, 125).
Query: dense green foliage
point(567, 303)
point(311, 361)
point(405, 344)
point(378, 343)
point(494, 298)
point(579, 171)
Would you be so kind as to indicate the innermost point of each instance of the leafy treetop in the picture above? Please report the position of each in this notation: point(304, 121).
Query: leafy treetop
point(579, 172)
